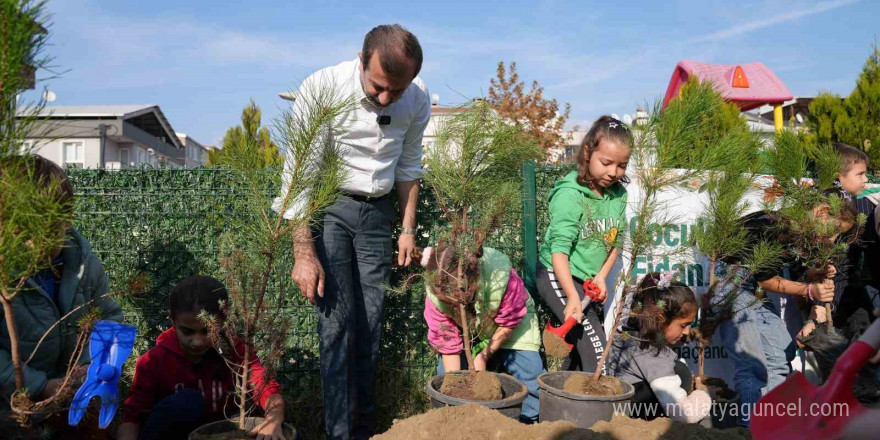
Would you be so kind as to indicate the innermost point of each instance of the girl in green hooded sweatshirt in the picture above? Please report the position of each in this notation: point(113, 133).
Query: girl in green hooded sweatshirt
point(587, 209)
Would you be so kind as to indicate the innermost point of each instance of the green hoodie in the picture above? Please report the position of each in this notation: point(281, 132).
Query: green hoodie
point(577, 217)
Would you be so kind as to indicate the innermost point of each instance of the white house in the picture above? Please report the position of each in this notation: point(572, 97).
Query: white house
point(439, 116)
point(196, 153)
point(107, 136)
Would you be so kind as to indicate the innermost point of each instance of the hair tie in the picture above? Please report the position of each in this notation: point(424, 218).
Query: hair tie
point(612, 124)
point(426, 255)
point(665, 281)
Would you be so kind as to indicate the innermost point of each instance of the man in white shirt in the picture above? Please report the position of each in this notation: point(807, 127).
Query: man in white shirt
point(343, 262)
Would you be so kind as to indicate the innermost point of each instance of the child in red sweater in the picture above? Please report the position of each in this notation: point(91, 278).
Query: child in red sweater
point(183, 382)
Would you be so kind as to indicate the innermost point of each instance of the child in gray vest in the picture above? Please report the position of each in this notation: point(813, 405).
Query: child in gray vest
point(661, 315)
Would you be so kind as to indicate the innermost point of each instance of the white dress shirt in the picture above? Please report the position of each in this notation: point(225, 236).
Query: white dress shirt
point(375, 156)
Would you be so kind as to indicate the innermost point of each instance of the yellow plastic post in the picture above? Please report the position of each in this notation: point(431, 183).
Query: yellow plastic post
point(777, 117)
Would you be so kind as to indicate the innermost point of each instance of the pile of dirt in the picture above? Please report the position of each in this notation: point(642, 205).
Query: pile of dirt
point(475, 422)
point(624, 428)
point(554, 345)
point(584, 384)
point(481, 385)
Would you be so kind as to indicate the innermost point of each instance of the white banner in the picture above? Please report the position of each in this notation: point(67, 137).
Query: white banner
point(674, 251)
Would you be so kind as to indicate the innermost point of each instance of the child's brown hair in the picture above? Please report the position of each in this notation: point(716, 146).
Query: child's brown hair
point(443, 263)
point(43, 172)
point(606, 127)
point(850, 156)
point(655, 307)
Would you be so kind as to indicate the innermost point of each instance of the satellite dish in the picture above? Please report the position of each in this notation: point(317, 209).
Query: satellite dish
point(151, 151)
point(800, 118)
point(627, 119)
point(614, 115)
point(289, 96)
point(49, 96)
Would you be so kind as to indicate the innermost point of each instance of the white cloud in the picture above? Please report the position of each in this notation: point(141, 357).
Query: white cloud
point(761, 23)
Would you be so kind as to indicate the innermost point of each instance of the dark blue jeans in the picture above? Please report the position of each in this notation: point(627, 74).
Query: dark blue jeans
point(175, 416)
point(354, 246)
point(755, 338)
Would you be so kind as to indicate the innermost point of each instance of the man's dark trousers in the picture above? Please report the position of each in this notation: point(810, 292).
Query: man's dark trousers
point(354, 245)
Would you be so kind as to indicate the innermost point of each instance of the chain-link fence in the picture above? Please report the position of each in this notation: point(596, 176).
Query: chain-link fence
point(168, 223)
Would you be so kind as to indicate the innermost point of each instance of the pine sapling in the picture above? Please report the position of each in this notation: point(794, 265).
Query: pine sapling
point(258, 241)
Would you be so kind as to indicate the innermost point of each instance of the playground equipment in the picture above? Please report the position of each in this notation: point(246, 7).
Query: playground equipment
point(749, 86)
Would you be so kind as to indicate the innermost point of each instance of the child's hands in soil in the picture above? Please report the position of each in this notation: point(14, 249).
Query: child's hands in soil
point(268, 430)
point(480, 361)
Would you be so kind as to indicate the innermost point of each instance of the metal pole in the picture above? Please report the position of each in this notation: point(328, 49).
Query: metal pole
point(530, 226)
point(102, 130)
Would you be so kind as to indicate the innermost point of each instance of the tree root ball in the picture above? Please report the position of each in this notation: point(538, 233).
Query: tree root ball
point(481, 385)
point(584, 384)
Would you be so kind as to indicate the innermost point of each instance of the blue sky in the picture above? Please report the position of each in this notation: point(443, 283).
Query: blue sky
point(201, 61)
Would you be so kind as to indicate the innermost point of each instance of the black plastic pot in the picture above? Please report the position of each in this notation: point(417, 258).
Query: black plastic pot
point(581, 409)
point(222, 426)
point(512, 391)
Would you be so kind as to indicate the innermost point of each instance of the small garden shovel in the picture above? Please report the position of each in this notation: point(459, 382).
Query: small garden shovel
point(554, 337)
point(797, 409)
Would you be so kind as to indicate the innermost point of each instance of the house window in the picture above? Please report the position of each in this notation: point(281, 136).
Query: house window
point(124, 158)
point(73, 154)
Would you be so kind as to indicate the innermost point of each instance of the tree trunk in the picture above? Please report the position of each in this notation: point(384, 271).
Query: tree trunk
point(701, 357)
point(711, 274)
point(828, 316)
point(617, 315)
point(467, 338)
point(14, 348)
point(243, 391)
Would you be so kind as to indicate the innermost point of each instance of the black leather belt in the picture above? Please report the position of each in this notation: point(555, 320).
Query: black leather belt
point(363, 198)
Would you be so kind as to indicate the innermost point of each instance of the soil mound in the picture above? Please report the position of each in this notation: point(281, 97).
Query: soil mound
point(475, 422)
point(478, 386)
point(584, 384)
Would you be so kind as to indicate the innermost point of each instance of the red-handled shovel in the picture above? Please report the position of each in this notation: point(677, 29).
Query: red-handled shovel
point(554, 337)
point(798, 409)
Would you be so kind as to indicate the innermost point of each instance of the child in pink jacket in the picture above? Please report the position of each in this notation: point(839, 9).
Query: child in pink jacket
point(505, 313)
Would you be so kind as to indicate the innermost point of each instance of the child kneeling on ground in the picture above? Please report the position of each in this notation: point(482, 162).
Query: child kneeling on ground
point(72, 285)
point(661, 316)
point(184, 382)
point(503, 308)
